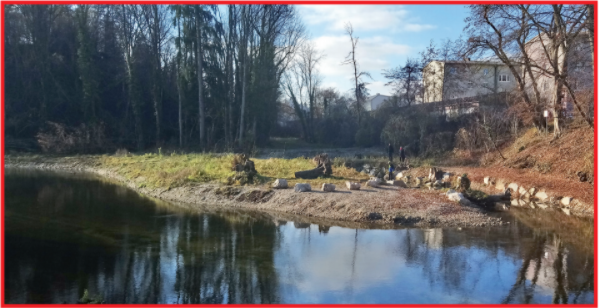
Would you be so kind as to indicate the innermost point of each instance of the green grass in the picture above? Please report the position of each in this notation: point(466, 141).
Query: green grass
point(169, 171)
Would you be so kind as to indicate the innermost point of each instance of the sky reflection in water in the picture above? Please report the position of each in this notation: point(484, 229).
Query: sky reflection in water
point(65, 235)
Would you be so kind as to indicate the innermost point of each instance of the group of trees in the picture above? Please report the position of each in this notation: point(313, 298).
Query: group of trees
point(207, 77)
point(538, 43)
point(199, 76)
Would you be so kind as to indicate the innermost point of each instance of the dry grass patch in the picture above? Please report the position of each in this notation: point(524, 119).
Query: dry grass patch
point(175, 170)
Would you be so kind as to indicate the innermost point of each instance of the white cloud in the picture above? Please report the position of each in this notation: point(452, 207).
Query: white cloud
point(379, 87)
point(362, 17)
point(371, 54)
point(374, 54)
point(418, 27)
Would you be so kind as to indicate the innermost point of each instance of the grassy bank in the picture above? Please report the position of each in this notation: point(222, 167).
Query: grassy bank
point(175, 170)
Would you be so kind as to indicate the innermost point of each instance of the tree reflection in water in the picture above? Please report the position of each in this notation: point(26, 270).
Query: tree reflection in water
point(64, 236)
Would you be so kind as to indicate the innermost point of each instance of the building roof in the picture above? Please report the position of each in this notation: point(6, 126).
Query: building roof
point(468, 62)
point(378, 94)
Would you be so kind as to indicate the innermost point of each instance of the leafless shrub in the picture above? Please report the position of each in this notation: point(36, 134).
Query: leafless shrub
point(58, 138)
point(486, 131)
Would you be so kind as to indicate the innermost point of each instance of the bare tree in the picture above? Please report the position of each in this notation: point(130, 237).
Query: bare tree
point(199, 59)
point(302, 86)
point(559, 28)
point(350, 59)
point(406, 80)
point(155, 22)
point(130, 33)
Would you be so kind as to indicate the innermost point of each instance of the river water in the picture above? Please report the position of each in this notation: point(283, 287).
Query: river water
point(65, 235)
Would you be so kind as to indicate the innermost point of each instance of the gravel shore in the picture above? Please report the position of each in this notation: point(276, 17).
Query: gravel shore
point(387, 206)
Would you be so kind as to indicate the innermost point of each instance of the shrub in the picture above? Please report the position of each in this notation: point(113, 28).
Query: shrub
point(58, 138)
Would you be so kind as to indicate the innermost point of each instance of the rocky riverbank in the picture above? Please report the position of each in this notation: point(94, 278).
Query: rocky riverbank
point(528, 188)
point(384, 205)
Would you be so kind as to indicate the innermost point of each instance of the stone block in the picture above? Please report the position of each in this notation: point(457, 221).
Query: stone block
point(352, 185)
point(542, 196)
point(500, 185)
point(398, 183)
point(566, 201)
point(514, 187)
point(501, 207)
point(328, 187)
point(302, 187)
point(372, 183)
point(280, 183)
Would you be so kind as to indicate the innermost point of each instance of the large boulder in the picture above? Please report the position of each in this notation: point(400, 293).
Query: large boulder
point(501, 207)
point(398, 183)
point(452, 195)
point(328, 187)
point(542, 196)
point(377, 180)
point(302, 187)
point(399, 176)
point(372, 183)
point(566, 201)
point(523, 193)
point(458, 197)
point(500, 185)
point(514, 187)
point(352, 185)
point(447, 176)
point(532, 191)
point(280, 183)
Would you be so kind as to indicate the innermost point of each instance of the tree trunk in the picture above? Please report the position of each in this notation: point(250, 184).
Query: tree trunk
point(179, 90)
point(310, 174)
point(232, 23)
point(591, 26)
point(560, 61)
point(156, 73)
point(199, 58)
point(242, 115)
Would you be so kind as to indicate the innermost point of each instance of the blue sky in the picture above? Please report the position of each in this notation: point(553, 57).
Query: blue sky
point(388, 35)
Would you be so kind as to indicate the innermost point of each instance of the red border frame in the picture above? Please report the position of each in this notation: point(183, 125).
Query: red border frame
point(340, 2)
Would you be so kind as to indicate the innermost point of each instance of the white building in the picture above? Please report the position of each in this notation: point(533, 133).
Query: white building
point(446, 80)
point(375, 101)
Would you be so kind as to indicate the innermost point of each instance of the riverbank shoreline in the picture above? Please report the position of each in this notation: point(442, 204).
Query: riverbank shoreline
point(386, 205)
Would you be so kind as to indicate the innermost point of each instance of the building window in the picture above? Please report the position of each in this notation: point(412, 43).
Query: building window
point(486, 71)
point(504, 78)
point(452, 70)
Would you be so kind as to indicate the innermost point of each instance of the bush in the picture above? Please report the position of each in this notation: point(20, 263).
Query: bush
point(58, 138)
point(365, 136)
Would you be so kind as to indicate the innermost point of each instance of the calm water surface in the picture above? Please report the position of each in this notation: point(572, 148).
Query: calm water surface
point(65, 235)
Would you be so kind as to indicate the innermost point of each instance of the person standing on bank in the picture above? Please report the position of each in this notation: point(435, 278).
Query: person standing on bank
point(402, 155)
point(390, 152)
